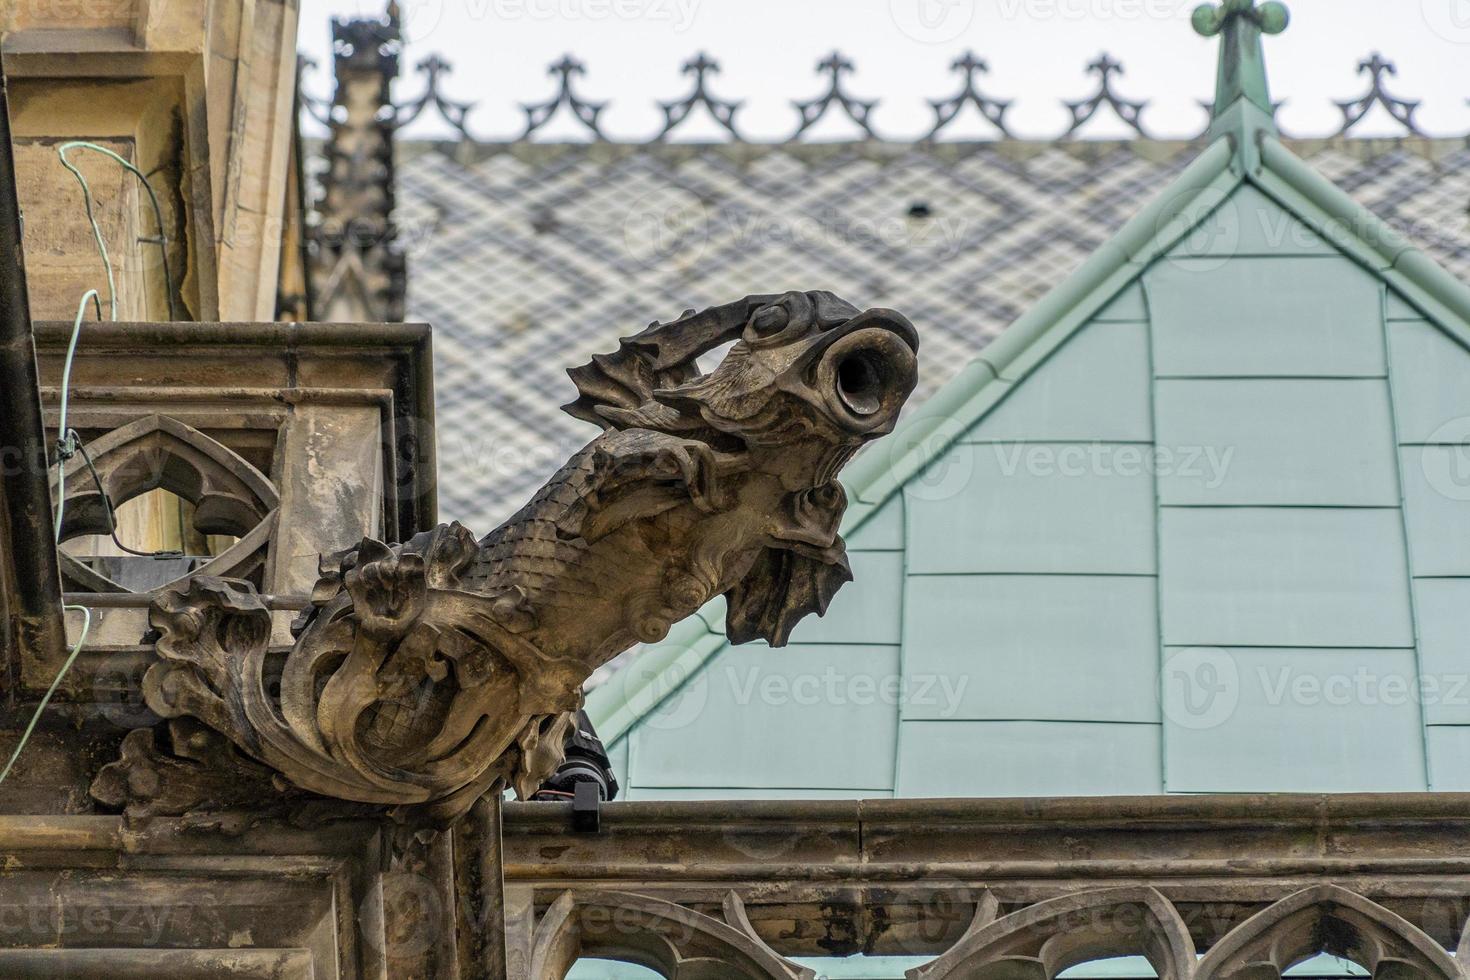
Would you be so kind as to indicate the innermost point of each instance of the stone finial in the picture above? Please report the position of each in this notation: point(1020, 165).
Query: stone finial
point(1242, 72)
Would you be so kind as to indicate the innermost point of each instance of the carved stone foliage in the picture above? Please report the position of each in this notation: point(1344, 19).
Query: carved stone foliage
point(428, 672)
point(230, 496)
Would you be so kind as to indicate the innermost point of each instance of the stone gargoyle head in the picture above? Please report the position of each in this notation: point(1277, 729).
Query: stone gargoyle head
point(806, 381)
point(427, 673)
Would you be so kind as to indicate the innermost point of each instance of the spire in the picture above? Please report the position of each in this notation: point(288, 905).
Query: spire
point(1242, 96)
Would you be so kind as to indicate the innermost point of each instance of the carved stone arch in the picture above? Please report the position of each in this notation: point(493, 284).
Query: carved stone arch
point(1042, 940)
point(675, 941)
point(230, 495)
point(1326, 919)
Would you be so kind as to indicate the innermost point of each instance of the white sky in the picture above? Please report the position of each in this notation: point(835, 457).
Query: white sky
point(1037, 51)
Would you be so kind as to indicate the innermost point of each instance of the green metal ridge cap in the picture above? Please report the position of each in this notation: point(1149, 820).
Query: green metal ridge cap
point(923, 436)
point(1350, 226)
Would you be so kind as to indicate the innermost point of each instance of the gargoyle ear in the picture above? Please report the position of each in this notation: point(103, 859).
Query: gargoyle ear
point(781, 588)
point(662, 356)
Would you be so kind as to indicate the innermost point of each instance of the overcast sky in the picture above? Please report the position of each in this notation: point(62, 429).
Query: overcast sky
point(1037, 51)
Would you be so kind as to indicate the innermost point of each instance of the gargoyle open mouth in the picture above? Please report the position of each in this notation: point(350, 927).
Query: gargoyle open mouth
point(796, 354)
point(868, 370)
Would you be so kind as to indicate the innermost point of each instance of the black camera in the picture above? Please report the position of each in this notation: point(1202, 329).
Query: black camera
point(586, 762)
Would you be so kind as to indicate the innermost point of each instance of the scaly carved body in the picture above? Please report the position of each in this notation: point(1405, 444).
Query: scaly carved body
point(429, 671)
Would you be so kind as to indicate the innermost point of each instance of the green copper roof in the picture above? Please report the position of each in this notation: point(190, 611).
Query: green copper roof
point(1252, 308)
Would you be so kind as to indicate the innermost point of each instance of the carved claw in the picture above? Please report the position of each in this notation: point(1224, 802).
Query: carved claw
point(202, 772)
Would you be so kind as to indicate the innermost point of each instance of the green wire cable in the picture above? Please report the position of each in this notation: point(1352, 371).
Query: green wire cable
point(97, 231)
point(65, 440)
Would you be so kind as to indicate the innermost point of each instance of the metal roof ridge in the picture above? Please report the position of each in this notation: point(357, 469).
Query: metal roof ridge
point(1242, 94)
point(1355, 230)
point(923, 436)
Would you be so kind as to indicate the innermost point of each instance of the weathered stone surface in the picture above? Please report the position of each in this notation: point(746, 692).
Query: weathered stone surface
point(426, 673)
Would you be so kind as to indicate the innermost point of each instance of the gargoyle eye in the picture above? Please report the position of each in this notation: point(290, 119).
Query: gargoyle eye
point(769, 319)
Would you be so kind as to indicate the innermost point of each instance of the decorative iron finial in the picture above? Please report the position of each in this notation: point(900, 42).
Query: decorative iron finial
point(1242, 71)
point(700, 67)
point(1270, 17)
point(1105, 67)
point(834, 65)
point(433, 68)
point(538, 114)
point(1402, 110)
point(945, 110)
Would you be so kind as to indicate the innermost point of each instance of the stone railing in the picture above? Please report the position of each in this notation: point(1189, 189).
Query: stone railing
point(1204, 887)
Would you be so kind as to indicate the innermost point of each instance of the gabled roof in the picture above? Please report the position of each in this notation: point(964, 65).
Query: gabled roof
point(531, 257)
point(1244, 152)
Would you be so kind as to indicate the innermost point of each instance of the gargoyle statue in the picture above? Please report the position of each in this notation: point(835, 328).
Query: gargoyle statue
point(427, 672)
